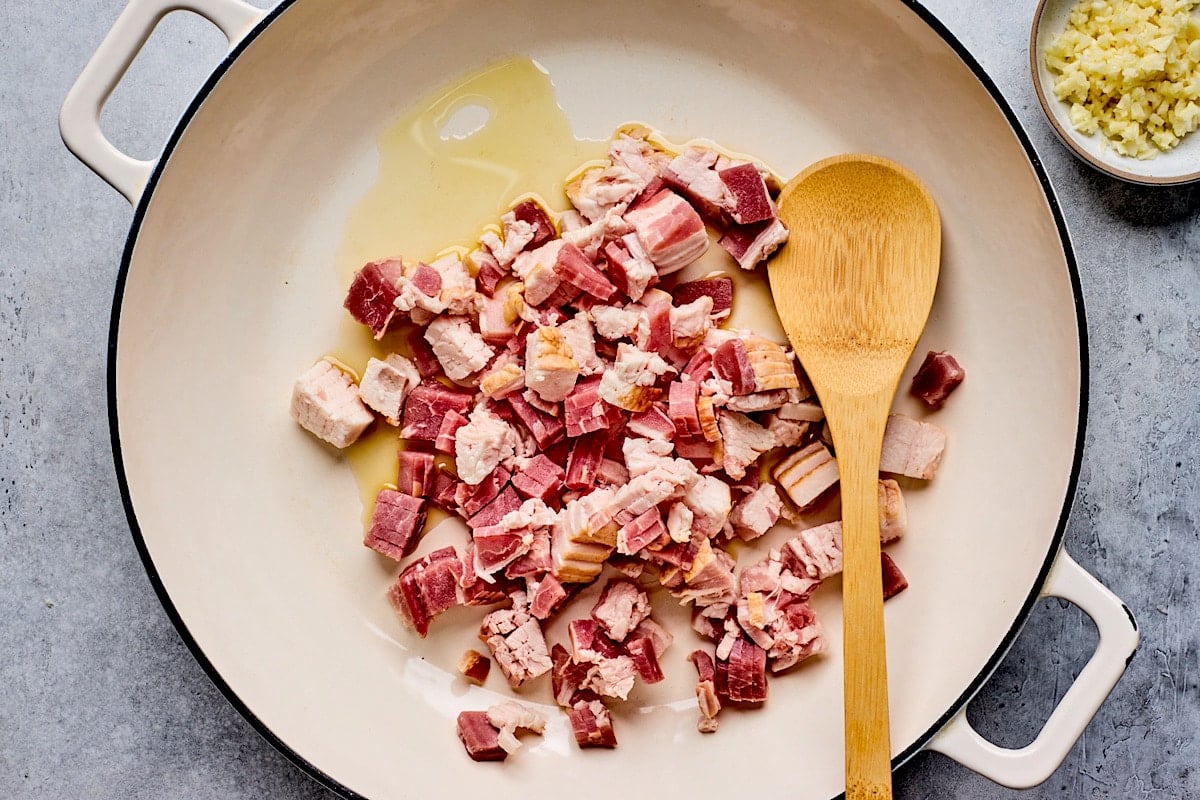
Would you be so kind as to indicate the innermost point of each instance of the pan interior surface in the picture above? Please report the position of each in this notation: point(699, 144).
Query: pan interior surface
point(253, 528)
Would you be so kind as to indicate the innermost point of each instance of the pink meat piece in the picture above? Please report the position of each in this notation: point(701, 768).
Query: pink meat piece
point(622, 605)
point(646, 491)
point(538, 477)
point(326, 403)
point(706, 691)
point(536, 269)
point(709, 578)
point(911, 447)
point(491, 514)
point(444, 487)
point(751, 201)
point(630, 382)
point(480, 737)
point(488, 272)
point(589, 642)
point(585, 412)
point(796, 634)
point(816, 552)
point(567, 677)
point(643, 455)
point(551, 369)
point(532, 213)
point(545, 429)
point(547, 597)
point(450, 425)
point(751, 244)
point(425, 408)
point(681, 406)
point(670, 230)
point(386, 383)
point(460, 350)
point(427, 364)
point(629, 268)
point(536, 561)
point(396, 524)
point(575, 268)
point(690, 323)
point(894, 581)
point(807, 473)
point(496, 327)
point(654, 328)
point(481, 444)
point(615, 322)
point(426, 588)
point(645, 659)
point(731, 362)
point(700, 367)
point(578, 333)
point(611, 473)
point(602, 189)
point(427, 280)
point(373, 293)
point(692, 173)
point(612, 677)
point(741, 678)
point(592, 724)
point(653, 423)
point(471, 498)
point(939, 375)
point(516, 641)
point(497, 547)
point(415, 473)
point(755, 513)
point(476, 591)
point(584, 461)
point(631, 150)
point(743, 440)
point(719, 289)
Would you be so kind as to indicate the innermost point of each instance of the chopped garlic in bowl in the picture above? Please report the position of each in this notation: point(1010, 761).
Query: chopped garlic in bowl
point(1131, 70)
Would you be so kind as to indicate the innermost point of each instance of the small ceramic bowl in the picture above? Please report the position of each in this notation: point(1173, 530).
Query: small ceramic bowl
point(1172, 168)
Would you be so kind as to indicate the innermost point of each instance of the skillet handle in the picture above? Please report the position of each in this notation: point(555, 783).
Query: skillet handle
point(1037, 761)
point(79, 119)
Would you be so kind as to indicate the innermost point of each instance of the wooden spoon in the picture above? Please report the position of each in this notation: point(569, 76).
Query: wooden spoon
point(853, 286)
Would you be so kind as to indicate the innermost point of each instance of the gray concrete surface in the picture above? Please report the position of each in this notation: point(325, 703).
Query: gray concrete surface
point(100, 699)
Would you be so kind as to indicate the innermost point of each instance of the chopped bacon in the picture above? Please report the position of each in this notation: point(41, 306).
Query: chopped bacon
point(706, 691)
point(415, 474)
point(532, 213)
point(751, 201)
point(471, 498)
point(681, 406)
point(816, 552)
point(692, 173)
point(911, 448)
point(427, 363)
point(592, 724)
point(806, 473)
point(670, 230)
point(538, 477)
point(585, 460)
point(893, 513)
point(653, 423)
point(326, 403)
point(491, 514)
point(446, 433)
point(488, 272)
point(475, 666)
point(425, 408)
point(536, 561)
point(939, 375)
point(496, 547)
point(460, 350)
point(755, 513)
point(653, 333)
point(516, 641)
point(732, 363)
point(720, 290)
point(510, 717)
point(645, 658)
point(545, 429)
point(372, 295)
point(426, 588)
point(396, 523)
point(629, 383)
point(547, 598)
point(741, 677)
point(894, 581)
point(386, 383)
point(480, 737)
point(621, 607)
point(550, 367)
point(574, 267)
point(743, 440)
point(751, 244)
point(443, 489)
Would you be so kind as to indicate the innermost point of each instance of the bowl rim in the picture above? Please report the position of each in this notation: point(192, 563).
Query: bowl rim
point(1002, 647)
point(1067, 137)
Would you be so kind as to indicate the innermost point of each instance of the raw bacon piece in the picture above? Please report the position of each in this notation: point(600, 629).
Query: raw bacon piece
point(538, 477)
point(751, 244)
point(585, 412)
point(491, 514)
point(471, 498)
point(574, 267)
point(653, 332)
point(706, 691)
point(681, 406)
point(425, 408)
point(645, 658)
point(480, 737)
point(511, 717)
point(546, 430)
point(690, 322)
point(516, 642)
point(373, 292)
point(670, 230)
point(481, 444)
point(911, 448)
point(586, 456)
point(396, 524)
point(578, 334)
point(550, 368)
point(496, 547)
point(741, 677)
point(755, 513)
point(444, 487)
point(488, 272)
point(621, 607)
point(386, 383)
point(326, 403)
point(474, 666)
point(601, 190)
point(427, 363)
point(592, 724)
point(653, 424)
point(894, 581)
point(719, 289)
point(893, 513)
point(415, 473)
point(547, 597)
point(629, 383)
point(532, 213)
point(773, 369)
point(460, 350)
point(426, 588)
point(446, 433)
point(743, 440)
point(536, 269)
point(751, 201)
point(814, 553)
point(806, 473)
point(731, 362)
point(692, 173)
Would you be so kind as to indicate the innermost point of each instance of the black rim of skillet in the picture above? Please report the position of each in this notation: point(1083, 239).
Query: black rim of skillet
point(314, 771)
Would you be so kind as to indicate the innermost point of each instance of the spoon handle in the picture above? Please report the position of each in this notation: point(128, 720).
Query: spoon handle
point(857, 423)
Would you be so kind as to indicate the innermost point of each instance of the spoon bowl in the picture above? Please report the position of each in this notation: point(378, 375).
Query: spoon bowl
point(853, 286)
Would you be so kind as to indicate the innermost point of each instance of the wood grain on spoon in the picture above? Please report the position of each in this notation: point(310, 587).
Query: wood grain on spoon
point(853, 286)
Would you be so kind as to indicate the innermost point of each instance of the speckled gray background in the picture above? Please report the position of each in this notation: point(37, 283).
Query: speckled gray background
point(99, 698)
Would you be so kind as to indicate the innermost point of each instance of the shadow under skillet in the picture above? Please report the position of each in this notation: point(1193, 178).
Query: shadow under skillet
point(1142, 205)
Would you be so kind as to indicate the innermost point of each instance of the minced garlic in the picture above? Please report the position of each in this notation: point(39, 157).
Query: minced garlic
point(1130, 69)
